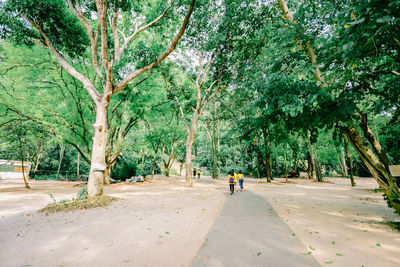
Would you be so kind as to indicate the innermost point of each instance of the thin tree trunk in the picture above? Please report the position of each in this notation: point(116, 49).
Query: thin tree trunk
point(317, 167)
point(340, 164)
point(350, 165)
point(189, 143)
point(268, 164)
point(153, 169)
point(98, 162)
point(261, 158)
point(277, 165)
point(258, 167)
point(38, 159)
point(344, 160)
point(188, 162)
point(310, 170)
point(214, 151)
point(286, 173)
point(22, 162)
point(180, 169)
point(62, 149)
point(77, 167)
point(107, 174)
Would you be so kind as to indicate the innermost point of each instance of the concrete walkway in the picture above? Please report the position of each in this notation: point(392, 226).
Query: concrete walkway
point(248, 232)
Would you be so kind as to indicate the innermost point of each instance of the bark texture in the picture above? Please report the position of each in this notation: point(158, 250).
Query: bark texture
point(382, 175)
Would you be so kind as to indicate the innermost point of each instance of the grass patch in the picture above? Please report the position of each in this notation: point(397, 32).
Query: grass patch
point(68, 205)
point(394, 225)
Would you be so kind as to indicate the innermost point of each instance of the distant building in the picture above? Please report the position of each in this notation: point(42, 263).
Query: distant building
point(12, 169)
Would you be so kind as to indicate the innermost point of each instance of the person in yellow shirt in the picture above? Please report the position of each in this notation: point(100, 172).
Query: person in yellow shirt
point(231, 180)
point(235, 177)
point(240, 178)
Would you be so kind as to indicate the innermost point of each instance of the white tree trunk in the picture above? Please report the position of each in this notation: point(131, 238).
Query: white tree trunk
point(98, 165)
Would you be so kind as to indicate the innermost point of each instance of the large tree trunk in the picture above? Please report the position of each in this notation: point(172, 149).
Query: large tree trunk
point(382, 175)
point(98, 164)
point(376, 146)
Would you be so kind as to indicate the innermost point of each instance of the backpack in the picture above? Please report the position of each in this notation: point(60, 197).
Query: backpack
point(231, 180)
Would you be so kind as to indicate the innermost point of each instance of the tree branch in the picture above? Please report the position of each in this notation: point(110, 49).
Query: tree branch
point(71, 70)
point(93, 37)
point(137, 31)
point(122, 84)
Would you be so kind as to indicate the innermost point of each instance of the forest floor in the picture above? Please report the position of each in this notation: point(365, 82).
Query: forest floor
point(162, 223)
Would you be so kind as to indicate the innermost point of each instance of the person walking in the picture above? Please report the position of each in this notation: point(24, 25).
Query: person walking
point(231, 180)
point(235, 178)
point(240, 177)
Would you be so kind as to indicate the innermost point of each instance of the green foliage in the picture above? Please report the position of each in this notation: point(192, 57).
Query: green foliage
point(52, 16)
point(82, 194)
point(124, 169)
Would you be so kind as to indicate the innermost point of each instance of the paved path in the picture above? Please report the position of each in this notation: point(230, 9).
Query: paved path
point(248, 232)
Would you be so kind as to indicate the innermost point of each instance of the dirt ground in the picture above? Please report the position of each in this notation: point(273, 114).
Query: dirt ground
point(339, 225)
point(162, 223)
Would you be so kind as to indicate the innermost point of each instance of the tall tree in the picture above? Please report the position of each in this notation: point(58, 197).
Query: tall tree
point(69, 29)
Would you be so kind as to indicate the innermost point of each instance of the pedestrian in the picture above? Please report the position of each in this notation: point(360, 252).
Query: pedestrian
point(198, 173)
point(240, 177)
point(194, 172)
point(235, 178)
point(231, 180)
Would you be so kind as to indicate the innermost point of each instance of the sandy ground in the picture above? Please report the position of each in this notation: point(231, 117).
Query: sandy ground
point(155, 224)
point(162, 223)
point(344, 225)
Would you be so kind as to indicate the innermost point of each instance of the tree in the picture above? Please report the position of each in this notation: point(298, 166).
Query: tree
point(369, 20)
point(68, 30)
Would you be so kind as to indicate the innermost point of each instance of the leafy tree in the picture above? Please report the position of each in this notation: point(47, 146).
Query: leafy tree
point(68, 30)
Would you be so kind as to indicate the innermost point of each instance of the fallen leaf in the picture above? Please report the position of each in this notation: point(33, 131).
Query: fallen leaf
point(307, 253)
point(378, 245)
point(311, 247)
point(167, 233)
point(329, 262)
point(338, 254)
point(333, 242)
